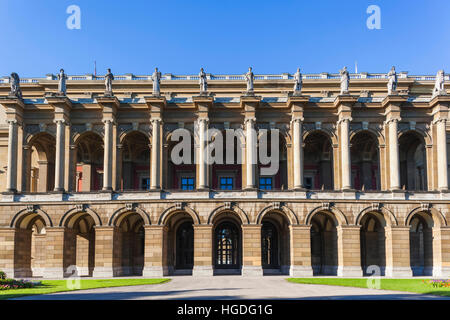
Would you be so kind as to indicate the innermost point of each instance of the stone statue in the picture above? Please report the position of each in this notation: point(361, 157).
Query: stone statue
point(439, 85)
point(15, 85)
point(249, 77)
point(298, 82)
point(62, 77)
point(202, 81)
point(392, 82)
point(156, 78)
point(108, 83)
point(345, 80)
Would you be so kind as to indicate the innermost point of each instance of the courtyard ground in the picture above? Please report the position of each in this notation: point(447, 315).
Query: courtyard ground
point(234, 287)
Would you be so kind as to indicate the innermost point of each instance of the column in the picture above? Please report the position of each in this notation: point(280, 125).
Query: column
point(107, 252)
point(397, 252)
point(54, 257)
point(203, 242)
point(155, 172)
point(442, 154)
point(298, 153)
point(345, 154)
point(11, 176)
point(251, 152)
point(202, 157)
point(107, 160)
point(441, 251)
point(394, 161)
point(60, 152)
point(300, 247)
point(155, 257)
point(349, 251)
point(7, 248)
point(251, 250)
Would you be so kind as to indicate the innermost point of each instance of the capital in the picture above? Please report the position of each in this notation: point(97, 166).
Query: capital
point(298, 120)
point(345, 120)
point(11, 121)
point(59, 121)
point(252, 120)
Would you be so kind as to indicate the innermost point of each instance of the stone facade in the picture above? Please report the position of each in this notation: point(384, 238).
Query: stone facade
point(88, 179)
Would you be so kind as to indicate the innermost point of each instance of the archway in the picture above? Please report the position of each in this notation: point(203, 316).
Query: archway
point(40, 163)
point(372, 239)
point(89, 162)
point(135, 162)
point(413, 163)
point(132, 243)
point(421, 244)
point(275, 243)
point(79, 242)
point(324, 248)
point(365, 161)
point(318, 161)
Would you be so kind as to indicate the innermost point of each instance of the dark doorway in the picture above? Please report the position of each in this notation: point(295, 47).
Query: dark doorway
point(269, 246)
point(185, 246)
point(227, 246)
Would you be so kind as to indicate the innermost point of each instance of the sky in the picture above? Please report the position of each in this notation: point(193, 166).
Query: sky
point(224, 37)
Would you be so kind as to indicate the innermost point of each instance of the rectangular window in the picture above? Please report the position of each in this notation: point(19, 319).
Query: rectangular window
point(226, 183)
point(265, 183)
point(145, 184)
point(187, 183)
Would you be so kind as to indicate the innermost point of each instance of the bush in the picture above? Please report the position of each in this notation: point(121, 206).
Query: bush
point(2, 275)
point(438, 283)
point(7, 284)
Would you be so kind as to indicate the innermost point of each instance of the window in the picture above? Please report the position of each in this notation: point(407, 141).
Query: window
point(227, 246)
point(226, 183)
point(187, 183)
point(145, 183)
point(265, 183)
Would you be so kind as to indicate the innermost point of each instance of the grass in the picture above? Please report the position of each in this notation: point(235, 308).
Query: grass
point(407, 285)
point(52, 286)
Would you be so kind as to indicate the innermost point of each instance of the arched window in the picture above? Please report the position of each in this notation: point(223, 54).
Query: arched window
point(227, 246)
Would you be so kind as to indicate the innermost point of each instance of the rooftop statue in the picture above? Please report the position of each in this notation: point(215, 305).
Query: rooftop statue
point(15, 85)
point(62, 77)
point(298, 82)
point(249, 77)
point(156, 78)
point(345, 80)
point(392, 82)
point(109, 77)
point(439, 85)
point(202, 81)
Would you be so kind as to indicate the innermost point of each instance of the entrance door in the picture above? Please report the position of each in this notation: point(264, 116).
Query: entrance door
point(185, 246)
point(227, 246)
point(269, 246)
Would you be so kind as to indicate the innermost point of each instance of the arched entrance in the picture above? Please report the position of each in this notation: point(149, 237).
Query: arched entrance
point(88, 175)
point(318, 162)
point(373, 250)
point(413, 164)
point(365, 161)
point(185, 246)
point(132, 244)
point(227, 246)
point(135, 169)
point(324, 253)
point(421, 244)
point(269, 246)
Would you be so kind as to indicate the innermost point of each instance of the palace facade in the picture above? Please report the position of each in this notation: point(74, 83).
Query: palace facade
point(88, 180)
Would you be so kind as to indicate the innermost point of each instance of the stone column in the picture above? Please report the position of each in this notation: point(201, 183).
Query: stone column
point(251, 152)
point(156, 154)
point(298, 152)
point(251, 250)
point(54, 262)
point(300, 247)
point(202, 156)
point(442, 154)
point(7, 248)
point(60, 152)
point(349, 251)
point(203, 241)
point(441, 251)
point(397, 252)
point(107, 160)
point(155, 255)
point(107, 252)
point(394, 161)
point(345, 153)
point(11, 175)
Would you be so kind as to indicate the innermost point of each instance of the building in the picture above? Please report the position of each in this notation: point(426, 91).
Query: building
point(88, 180)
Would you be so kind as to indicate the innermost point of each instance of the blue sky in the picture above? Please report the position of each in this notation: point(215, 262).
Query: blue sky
point(223, 36)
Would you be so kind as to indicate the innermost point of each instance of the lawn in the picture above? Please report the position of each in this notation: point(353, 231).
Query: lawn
point(408, 285)
point(52, 286)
